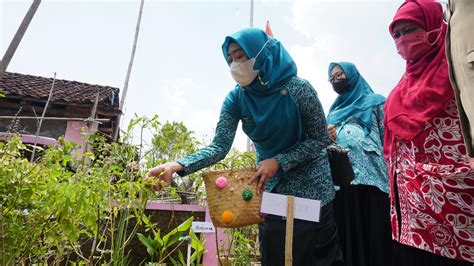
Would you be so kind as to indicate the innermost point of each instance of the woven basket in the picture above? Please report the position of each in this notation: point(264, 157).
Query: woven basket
point(230, 198)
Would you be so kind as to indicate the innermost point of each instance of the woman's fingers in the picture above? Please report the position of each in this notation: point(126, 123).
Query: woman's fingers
point(160, 172)
point(266, 170)
point(332, 132)
point(255, 176)
point(261, 184)
point(259, 177)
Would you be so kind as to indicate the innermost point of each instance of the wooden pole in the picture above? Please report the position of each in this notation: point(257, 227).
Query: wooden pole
point(18, 36)
point(289, 231)
point(89, 123)
point(129, 70)
point(249, 142)
point(54, 118)
point(94, 109)
point(188, 257)
point(251, 13)
point(42, 118)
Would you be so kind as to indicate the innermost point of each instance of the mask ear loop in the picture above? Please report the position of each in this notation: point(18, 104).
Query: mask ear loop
point(437, 37)
point(265, 44)
point(260, 78)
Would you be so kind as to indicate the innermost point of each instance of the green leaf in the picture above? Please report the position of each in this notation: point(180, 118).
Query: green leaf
point(181, 258)
point(145, 240)
point(196, 243)
point(178, 230)
point(89, 155)
point(198, 247)
point(174, 262)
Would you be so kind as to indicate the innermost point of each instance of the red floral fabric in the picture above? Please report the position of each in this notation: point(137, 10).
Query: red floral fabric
point(435, 189)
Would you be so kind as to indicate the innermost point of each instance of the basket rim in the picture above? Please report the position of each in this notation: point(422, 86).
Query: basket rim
point(230, 170)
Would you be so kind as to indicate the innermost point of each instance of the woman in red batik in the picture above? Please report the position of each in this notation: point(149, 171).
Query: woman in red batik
point(431, 183)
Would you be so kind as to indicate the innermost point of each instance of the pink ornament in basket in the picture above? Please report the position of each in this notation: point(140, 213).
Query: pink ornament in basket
point(221, 182)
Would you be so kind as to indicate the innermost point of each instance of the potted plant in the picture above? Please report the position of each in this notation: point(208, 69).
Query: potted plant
point(158, 247)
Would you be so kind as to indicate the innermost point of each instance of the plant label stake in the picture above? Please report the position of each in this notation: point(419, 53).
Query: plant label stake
point(188, 259)
point(289, 231)
point(291, 207)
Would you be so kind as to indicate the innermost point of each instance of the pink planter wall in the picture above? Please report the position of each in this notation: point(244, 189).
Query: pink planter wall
point(209, 258)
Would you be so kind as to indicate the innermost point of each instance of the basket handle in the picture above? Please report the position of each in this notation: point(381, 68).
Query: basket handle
point(222, 164)
point(226, 167)
point(243, 155)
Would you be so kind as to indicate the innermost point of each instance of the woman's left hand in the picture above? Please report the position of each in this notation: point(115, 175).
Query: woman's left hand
point(332, 132)
point(266, 170)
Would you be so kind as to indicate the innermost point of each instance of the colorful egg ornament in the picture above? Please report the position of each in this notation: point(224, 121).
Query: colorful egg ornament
point(221, 182)
point(247, 194)
point(227, 217)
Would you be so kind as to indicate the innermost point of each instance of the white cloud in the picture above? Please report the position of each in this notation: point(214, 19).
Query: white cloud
point(351, 31)
point(309, 60)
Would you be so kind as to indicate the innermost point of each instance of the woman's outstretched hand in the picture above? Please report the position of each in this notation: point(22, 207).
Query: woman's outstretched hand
point(332, 132)
point(164, 172)
point(266, 169)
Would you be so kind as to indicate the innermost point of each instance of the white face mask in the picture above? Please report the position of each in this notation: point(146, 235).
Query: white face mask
point(243, 72)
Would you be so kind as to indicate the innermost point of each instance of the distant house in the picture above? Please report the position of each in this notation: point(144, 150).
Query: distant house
point(69, 109)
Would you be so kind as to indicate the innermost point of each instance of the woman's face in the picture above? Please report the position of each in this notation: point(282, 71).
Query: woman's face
point(337, 74)
point(402, 28)
point(235, 53)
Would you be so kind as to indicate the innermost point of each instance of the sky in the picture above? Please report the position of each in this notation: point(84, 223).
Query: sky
point(179, 71)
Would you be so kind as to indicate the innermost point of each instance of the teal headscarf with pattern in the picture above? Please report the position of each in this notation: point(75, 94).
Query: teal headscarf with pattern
point(269, 115)
point(358, 101)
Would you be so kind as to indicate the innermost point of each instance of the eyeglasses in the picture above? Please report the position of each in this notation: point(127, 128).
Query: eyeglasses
point(337, 75)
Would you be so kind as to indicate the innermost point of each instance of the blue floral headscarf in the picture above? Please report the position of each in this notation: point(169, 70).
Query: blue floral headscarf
point(358, 101)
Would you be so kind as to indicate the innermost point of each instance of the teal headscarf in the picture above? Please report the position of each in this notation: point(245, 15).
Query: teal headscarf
point(357, 101)
point(269, 115)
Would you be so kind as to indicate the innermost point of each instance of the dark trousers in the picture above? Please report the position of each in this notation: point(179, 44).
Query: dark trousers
point(313, 243)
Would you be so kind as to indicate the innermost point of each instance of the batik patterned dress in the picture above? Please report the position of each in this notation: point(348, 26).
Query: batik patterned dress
point(432, 187)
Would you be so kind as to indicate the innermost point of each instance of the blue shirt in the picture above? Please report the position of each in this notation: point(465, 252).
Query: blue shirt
point(304, 168)
point(366, 152)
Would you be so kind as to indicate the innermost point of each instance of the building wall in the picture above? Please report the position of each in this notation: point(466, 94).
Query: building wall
point(49, 128)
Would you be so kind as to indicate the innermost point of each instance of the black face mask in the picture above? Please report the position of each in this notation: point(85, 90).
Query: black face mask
point(340, 86)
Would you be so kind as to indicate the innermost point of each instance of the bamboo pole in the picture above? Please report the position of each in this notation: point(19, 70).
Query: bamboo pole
point(42, 118)
point(249, 142)
point(251, 13)
point(289, 231)
point(94, 109)
point(188, 254)
point(129, 70)
point(18, 36)
point(89, 122)
point(54, 118)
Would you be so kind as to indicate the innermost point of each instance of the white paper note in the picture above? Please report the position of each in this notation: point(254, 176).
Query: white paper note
point(304, 209)
point(202, 227)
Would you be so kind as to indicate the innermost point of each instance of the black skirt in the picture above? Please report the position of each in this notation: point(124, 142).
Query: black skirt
point(410, 256)
point(362, 216)
point(313, 243)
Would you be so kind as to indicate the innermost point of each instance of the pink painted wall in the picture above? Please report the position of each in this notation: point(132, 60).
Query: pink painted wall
point(210, 257)
point(76, 132)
